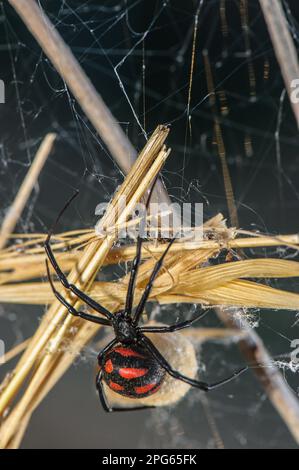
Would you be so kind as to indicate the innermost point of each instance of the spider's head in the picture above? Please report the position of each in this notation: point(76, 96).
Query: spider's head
point(124, 330)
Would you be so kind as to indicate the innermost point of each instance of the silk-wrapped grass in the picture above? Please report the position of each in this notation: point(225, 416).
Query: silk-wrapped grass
point(186, 276)
point(25, 259)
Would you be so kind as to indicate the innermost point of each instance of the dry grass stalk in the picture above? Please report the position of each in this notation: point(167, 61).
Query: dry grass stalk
point(80, 85)
point(280, 394)
point(210, 286)
point(70, 70)
point(26, 260)
point(229, 192)
point(56, 324)
point(213, 334)
point(13, 215)
point(16, 350)
point(252, 347)
point(283, 44)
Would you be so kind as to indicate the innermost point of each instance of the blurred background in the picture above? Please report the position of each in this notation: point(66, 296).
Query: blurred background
point(138, 55)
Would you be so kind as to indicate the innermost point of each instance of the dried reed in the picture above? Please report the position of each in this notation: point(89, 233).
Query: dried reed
point(25, 189)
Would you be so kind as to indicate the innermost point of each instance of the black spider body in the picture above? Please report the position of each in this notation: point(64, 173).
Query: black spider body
point(124, 329)
point(130, 364)
point(131, 371)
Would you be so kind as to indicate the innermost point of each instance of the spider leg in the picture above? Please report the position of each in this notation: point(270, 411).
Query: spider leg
point(71, 309)
point(105, 350)
point(137, 259)
point(62, 277)
point(149, 286)
point(100, 388)
point(151, 348)
point(101, 393)
point(133, 277)
point(172, 328)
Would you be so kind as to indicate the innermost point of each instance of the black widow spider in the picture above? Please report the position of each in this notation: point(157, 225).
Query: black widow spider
point(130, 364)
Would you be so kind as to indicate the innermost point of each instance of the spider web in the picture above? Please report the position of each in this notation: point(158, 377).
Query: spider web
point(149, 61)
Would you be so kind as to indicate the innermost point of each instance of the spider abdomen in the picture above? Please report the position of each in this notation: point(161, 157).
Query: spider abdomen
point(132, 372)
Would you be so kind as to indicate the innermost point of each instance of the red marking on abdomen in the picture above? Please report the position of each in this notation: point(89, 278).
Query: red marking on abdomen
point(144, 388)
point(127, 352)
point(109, 366)
point(131, 373)
point(115, 386)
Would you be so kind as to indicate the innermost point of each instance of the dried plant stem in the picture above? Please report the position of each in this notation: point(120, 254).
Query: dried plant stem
point(27, 263)
point(252, 347)
point(283, 45)
point(16, 209)
point(56, 322)
point(58, 365)
point(185, 280)
point(212, 334)
point(22, 254)
point(70, 70)
point(16, 350)
point(230, 199)
point(74, 76)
